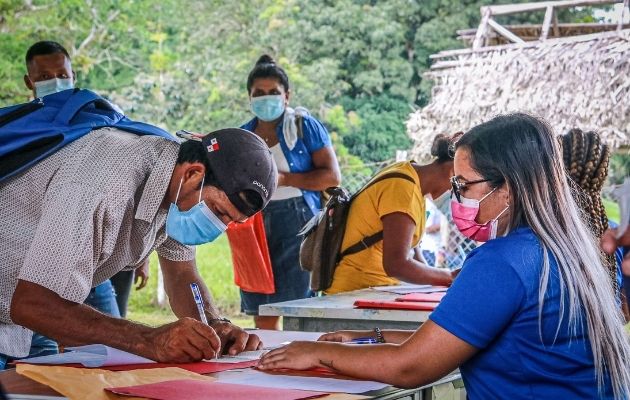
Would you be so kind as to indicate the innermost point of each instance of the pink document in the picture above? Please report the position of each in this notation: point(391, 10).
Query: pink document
point(202, 367)
point(189, 389)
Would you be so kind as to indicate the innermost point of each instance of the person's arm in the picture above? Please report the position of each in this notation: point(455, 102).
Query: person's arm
point(440, 353)
point(389, 335)
point(325, 173)
point(74, 324)
point(141, 274)
point(178, 275)
point(398, 230)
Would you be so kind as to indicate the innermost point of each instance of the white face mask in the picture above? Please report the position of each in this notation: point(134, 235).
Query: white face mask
point(54, 85)
point(442, 203)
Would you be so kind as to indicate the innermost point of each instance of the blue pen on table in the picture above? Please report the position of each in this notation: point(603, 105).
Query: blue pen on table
point(363, 340)
point(199, 301)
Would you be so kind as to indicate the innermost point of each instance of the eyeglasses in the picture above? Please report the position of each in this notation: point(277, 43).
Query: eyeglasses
point(457, 186)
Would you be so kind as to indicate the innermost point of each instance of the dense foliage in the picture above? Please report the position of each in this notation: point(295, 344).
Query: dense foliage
point(357, 64)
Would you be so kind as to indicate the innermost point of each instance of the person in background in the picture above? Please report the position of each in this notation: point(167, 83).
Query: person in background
point(396, 207)
point(124, 280)
point(431, 242)
point(307, 164)
point(532, 314)
point(586, 160)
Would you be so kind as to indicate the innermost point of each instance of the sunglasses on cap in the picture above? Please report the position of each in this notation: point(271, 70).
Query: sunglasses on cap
point(457, 186)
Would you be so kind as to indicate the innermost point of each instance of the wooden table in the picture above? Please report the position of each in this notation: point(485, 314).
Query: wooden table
point(20, 387)
point(335, 312)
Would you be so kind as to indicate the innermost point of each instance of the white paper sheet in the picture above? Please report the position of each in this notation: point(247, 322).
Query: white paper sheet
point(273, 339)
point(318, 384)
point(91, 356)
point(409, 288)
point(244, 356)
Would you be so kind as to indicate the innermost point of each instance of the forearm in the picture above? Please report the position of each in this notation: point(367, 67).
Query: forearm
point(388, 363)
point(74, 324)
point(396, 336)
point(177, 279)
point(412, 271)
point(317, 179)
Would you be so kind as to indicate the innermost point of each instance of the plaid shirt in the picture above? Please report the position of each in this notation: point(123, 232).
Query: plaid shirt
point(80, 216)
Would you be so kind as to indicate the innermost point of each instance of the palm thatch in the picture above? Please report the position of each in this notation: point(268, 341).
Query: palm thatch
point(581, 81)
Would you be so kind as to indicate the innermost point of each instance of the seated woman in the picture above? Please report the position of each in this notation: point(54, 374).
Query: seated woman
point(532, 314)
point(396, 207)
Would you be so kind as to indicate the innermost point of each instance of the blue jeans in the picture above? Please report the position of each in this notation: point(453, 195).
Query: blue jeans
point(283, 220)
point(40, 346)
point(103, 298)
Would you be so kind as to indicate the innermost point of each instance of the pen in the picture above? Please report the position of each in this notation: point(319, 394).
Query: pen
point(199, 301)
point(363, 340)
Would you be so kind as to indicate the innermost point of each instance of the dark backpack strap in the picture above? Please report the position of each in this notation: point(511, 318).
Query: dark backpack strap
point(362, 244)
point(77, 102)
point(378, 236)
point(299, 121)
point(20, 112)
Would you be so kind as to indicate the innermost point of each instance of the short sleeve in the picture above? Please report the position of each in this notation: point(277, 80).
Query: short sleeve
point(483, 299)
point(67, 242)
point(172, 250)
point(315, 134)
point(399, 195)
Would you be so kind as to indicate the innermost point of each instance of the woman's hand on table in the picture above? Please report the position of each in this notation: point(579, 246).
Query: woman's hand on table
point(345, 336)
point(296, 355)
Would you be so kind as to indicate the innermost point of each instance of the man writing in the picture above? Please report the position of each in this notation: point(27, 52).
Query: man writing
point(105, 201)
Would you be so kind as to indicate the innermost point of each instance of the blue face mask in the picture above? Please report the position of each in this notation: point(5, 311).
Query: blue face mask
point(268, 108)
point(198, 225)
point(50, 86)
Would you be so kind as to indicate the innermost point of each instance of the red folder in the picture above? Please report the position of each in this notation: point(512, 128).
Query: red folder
point(396, 305)
point(250, 256)
point(430, 297)
point(202, 390)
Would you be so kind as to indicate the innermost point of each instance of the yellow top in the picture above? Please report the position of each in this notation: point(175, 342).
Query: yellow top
point(365, 268)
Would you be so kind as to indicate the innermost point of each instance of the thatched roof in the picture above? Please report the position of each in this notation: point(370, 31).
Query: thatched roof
point(581, 81)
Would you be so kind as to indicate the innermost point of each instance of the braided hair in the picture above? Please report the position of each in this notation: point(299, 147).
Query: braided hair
point(586, 161)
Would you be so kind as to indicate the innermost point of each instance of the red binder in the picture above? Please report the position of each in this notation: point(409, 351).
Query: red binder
point(396, 305)
point(429, 297)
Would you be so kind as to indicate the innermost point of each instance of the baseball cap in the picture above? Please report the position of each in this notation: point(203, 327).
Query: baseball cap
point(241, 161)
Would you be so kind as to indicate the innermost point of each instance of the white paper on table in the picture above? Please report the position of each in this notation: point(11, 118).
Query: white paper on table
point(409, 288)
point(273, 339)
point(318, 384)
point(240, 357)
point(91, 356)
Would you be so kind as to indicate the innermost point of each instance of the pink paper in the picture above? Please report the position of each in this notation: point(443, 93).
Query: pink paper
point(203, 367)
point(189, 389)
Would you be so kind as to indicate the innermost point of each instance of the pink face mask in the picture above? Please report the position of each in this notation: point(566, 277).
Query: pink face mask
point(464, 215)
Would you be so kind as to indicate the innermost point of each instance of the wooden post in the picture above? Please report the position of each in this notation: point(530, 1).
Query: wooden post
point(547, 23)
point(626, 4)
point(556, 28)
point(480, 37)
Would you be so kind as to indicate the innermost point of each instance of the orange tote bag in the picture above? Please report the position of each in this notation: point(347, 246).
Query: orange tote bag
point(250, 256)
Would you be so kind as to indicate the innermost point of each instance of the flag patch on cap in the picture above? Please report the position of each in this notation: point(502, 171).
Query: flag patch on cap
point(214, 145)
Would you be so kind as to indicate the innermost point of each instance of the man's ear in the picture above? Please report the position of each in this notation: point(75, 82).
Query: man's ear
point(27, 82)
point(194, 174)
point(74, 77)
point(287, 96)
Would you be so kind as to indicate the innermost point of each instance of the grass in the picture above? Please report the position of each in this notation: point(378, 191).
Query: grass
point(215, 266)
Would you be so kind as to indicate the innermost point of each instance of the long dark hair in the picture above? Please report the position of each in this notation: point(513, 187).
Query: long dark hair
point(266, 67)
point(521, 152)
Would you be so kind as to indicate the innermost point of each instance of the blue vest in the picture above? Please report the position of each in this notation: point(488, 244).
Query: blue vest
point(32, 131)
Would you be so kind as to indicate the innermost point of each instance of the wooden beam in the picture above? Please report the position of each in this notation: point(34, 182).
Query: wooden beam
point(626, 4)
point(569, 39)
point(504, 31)
point(556, 26)
point(546, 23)
point(481, 31)
point(517, 8)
